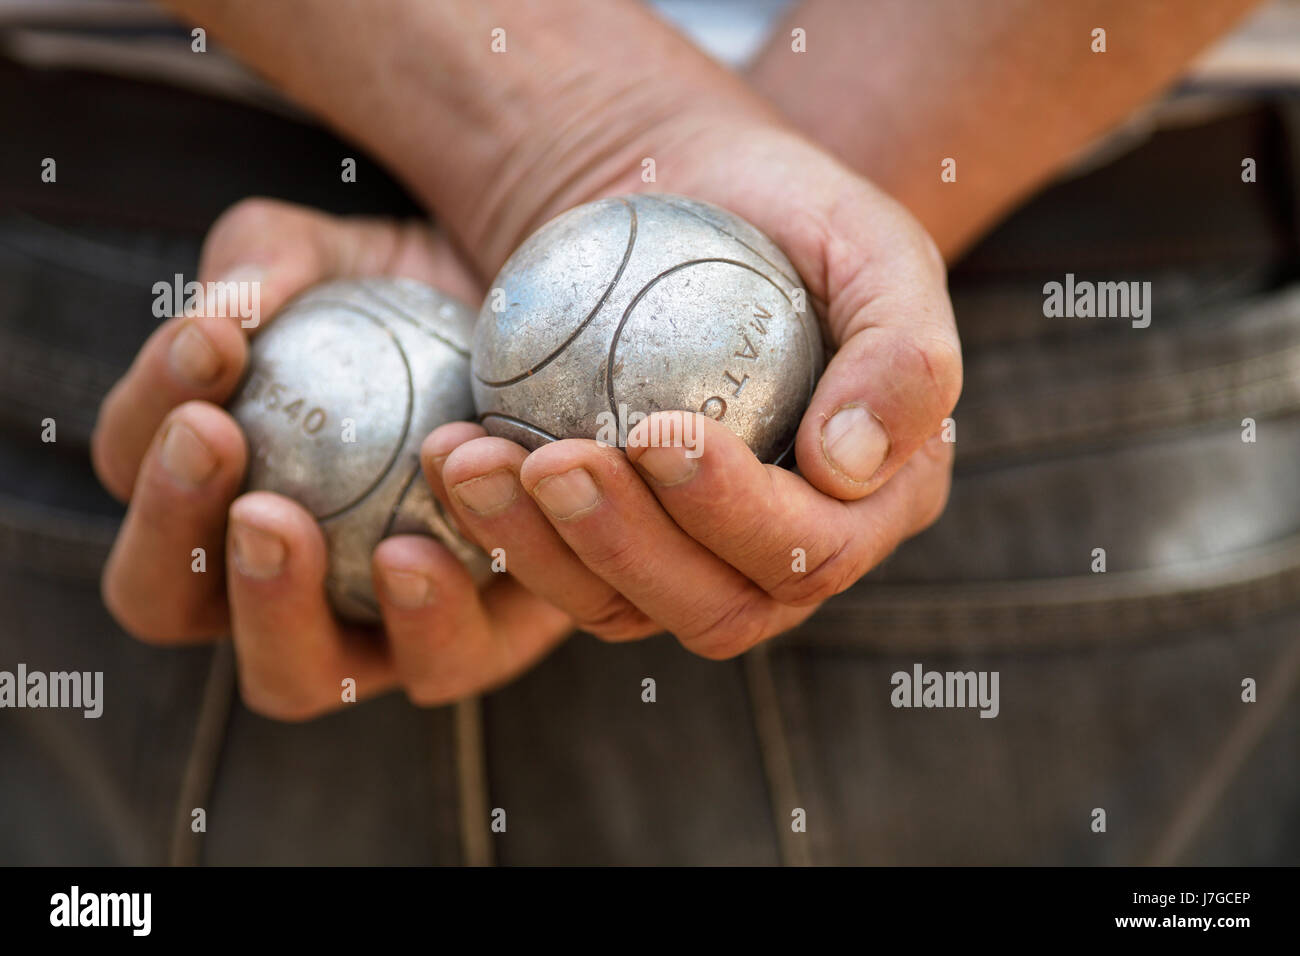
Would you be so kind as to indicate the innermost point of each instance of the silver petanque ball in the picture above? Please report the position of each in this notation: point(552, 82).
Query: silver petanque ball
point(342, 387)
point(644, 303)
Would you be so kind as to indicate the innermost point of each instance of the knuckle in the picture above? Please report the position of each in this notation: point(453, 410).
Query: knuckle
point(247, 215)
point(613, 557)
point(937, 506)
point(737, 514)
point(735, 629)
point(745, 524)
point(426, 693)
point(941, 368)
point(427, 686)
point(615, 619)
point(143, 620)
point(927, 251)
point(834, 574)
point(286, 706)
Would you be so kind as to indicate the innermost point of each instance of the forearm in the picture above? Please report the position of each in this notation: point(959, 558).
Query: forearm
point(1010, 90)
point(495, 143)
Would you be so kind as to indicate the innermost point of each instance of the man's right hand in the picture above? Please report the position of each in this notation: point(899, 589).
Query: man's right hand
point(164, 444)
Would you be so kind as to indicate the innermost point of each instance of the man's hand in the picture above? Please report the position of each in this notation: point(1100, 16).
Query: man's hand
point(500, 115)
point(164, 443)
point(705, 547)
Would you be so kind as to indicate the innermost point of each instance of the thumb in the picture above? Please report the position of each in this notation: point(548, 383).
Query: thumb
point(897, 372)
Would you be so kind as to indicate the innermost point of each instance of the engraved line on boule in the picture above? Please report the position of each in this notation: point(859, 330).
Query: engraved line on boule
point(661, 197)
point(613, 344)
point(397, 505)
point(460, 350)
point(406, 423)
point(627, 255)
point(816, 365)
point(526, 426)
point(781, 457)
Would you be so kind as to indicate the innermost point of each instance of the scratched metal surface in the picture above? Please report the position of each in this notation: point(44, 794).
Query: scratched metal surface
point(645, 303)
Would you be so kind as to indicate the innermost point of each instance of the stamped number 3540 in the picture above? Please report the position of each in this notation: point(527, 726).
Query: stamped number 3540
point(274, 396)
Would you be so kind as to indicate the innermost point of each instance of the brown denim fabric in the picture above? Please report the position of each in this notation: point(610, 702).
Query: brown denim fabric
point(1118, 691)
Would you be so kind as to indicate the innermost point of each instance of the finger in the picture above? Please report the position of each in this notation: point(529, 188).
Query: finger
point(435, 448)
point(294, 657)
point(480, 482)
point(185, 359)
point(797, 544)
point(604, 512)
point(285, 249)
point(898, 372)
point(271, 251)
point(443, 642)
point(164, 580)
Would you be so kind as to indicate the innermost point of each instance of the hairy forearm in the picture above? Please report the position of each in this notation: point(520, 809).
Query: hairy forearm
point(1010, 89)
point(493, 142)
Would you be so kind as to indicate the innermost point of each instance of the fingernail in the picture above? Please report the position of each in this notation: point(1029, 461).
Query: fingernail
point(567, 494)
point(407, 590)
point(855, 442)
point(185, 457)
point(192, 358)
point(487, 493)
point(667, 465)
point(258, 554)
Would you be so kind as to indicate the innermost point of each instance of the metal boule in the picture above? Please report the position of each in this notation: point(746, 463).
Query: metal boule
point(643, 303)
point(342, 387)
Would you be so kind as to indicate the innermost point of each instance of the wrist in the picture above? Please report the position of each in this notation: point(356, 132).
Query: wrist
point(494, 143)
point(575, 117)
point(577, 152)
